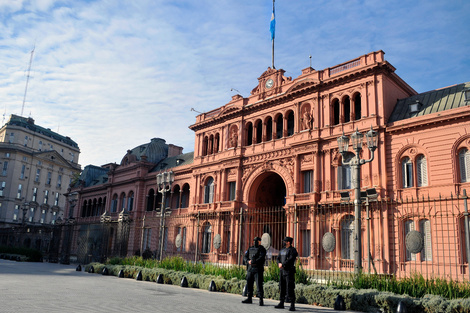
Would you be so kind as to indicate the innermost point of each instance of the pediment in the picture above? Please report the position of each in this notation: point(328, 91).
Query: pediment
point(233, 106)
point(52, 156)
point(301, 85)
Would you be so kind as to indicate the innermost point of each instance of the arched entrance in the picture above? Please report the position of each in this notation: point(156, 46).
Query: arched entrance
point(266, 213)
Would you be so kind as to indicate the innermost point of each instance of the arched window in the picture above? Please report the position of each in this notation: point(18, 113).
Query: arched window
point(259, 131)
point(151, 200)
point(205, 144)
point(206, 238)
point(249, 134)
point(464, 165)
point(347, 238)
point(216, 143)
point(123, 201)
point(210, 148)
point(346, 109)
point(422, 172)
point(114, 203)
point(269, 128)
point(335, 112)
point(290, 123)
point(279, 126)
point(130, 201)
point(185, 196)
point(357, 107)
point(209, 191)
point(407, 172)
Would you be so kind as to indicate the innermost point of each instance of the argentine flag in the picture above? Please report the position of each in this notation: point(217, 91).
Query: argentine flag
point(272, 26)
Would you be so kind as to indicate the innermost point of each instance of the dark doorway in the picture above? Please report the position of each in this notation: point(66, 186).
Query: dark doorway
point(268, 215)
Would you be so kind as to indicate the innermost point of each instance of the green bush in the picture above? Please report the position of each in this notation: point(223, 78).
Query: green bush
point(32, 255)
point(365, 300)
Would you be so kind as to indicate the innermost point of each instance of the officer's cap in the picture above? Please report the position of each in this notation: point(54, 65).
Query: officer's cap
point(289, 239)
point(257, 239)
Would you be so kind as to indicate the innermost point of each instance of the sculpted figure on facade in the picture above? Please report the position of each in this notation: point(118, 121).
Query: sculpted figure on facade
point(233, 137)
point(307, 118)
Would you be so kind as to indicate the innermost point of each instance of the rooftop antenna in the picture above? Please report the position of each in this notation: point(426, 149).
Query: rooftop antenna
point(192, 109)
point(310, 60)
point(27, 78)
point(4, 113)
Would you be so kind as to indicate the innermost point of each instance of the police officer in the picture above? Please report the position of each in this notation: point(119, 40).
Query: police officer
point(286, 262)
point(254, 259)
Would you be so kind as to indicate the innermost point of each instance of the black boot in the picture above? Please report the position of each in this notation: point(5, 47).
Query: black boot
point(280, 305)
point(261, 302)
point(247, 300)
point(292, 306)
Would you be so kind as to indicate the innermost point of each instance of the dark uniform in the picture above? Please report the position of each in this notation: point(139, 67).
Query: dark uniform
point(254, 259)
point(286, 260)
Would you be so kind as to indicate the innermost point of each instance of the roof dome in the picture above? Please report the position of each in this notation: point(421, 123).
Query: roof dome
point(154, 151)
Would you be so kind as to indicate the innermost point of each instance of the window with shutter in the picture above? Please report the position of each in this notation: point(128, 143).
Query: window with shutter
point(409, 226)
point(464, 164)
point(422, 171)
point(407, 173)
point(347, 238)
point(425, 229)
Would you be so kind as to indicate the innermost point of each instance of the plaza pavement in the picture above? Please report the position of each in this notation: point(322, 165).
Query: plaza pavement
point(48, 287)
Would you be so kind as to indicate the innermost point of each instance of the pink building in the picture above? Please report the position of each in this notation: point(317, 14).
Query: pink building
point(269, 165)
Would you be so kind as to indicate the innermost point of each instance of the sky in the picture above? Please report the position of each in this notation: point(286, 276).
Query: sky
point(112, 74)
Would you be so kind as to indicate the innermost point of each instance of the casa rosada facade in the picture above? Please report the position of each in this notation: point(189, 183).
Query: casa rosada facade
point(277, 151)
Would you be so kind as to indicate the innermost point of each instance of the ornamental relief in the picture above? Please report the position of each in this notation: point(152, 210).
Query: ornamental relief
point(231, 171)
point(305, 148)
point(267, 156)
point(288, 164)
point(306, 159)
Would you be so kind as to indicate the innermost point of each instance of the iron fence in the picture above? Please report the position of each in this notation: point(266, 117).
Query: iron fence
point(399, 237)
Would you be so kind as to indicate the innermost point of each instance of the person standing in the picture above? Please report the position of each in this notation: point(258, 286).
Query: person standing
point(254, 259)
point(286, 262)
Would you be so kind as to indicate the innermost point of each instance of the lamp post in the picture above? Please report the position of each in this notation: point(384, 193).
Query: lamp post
point(164, 181)
point(355, 163)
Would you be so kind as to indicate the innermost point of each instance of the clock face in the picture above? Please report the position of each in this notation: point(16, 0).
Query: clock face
point(269, 83)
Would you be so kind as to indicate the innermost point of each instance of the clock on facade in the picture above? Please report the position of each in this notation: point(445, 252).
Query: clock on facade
point(269, 83)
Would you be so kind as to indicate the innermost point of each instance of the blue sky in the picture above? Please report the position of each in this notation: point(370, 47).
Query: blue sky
point(112, 74)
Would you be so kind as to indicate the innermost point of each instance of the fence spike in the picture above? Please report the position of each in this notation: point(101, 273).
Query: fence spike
point(139, 276)
point(401, 308)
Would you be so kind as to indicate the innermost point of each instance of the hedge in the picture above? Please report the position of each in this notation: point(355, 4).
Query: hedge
point(363, 300)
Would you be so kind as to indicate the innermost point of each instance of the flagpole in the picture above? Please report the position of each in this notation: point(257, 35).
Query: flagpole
point(272, 27)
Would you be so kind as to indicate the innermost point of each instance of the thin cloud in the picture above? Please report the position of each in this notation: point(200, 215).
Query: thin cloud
point(114, 74)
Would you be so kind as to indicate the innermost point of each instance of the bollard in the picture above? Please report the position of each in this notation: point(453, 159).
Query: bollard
point(105, 271)
point(401, 308)
point(91, 269)
point(160, 279)
point(139, 276)
point(79, 268)
point(121, 274)
point(339, 304)
point(184, 282)
point(212, 286)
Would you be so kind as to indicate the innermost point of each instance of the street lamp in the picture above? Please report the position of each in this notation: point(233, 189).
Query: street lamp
point(355, 163)
point(164, 181)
